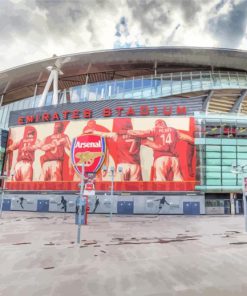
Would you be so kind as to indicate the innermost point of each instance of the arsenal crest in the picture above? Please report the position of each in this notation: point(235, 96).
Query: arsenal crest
point(90, 150)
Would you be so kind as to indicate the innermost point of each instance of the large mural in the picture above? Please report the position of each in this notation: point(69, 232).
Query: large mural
point(146, 154)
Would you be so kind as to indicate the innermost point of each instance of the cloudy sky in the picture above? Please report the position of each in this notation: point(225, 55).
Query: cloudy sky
point(31, 30)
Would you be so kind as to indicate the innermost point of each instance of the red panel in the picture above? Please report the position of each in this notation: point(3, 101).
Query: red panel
point(104, 186)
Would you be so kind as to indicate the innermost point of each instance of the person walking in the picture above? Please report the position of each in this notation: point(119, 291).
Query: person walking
point(63, 203)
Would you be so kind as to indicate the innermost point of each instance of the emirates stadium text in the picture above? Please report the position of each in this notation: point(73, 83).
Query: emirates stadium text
point(106, 112)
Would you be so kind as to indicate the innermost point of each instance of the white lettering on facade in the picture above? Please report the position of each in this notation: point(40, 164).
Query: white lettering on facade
point(88, 144)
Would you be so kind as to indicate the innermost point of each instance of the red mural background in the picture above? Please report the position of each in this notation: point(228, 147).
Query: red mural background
point(147, 154)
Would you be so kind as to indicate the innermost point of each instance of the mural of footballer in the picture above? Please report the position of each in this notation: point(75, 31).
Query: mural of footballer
point(23, 170)
point(125, 149)
point(128, 151)
point(94, 128)
point(54, 147)
point(166, 164)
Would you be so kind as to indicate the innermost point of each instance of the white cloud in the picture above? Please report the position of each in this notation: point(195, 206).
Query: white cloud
point(35, 29)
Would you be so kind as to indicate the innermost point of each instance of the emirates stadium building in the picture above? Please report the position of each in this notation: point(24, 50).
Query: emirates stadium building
point(155, 130)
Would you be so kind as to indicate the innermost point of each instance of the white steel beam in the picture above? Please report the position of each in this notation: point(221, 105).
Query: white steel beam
point(46, 89)
point(238, 104)
point(55, 87)
point(206, 102)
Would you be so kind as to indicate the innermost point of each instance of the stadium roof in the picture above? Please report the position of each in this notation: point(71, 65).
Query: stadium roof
point(20, 82)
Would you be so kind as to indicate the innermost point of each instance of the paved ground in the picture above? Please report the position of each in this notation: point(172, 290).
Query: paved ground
point(134, 255)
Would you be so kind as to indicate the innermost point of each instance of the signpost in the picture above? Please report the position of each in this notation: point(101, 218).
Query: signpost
point(244, 183)
point(242, 169)
point(81, 205)
point(111, 169)
point(87, 155)
point(3, 178)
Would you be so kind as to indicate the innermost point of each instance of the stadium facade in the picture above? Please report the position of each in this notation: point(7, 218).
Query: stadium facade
point(164, 121)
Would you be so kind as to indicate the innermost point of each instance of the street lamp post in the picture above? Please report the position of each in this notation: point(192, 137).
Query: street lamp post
point(112, 189)
point(244, 202)
point(111, 169)
point(4, 177)
point(242, 169)
point(80, 203)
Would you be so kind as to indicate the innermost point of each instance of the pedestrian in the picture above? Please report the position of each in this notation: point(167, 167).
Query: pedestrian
point(162, 201)
point(63, 203)
point(21, 201)
point(96, 204)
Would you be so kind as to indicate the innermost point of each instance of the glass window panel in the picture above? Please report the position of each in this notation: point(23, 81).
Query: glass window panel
point(212, 182)
point(5, 111)
point(206, 80)
point(213, 141)
point(14, 106)
point(227, 168)
point(138, 83)
point(83, 94)
point(213, 168)
point(240, 182)
point(128, 86)
point(228, 176)
point(76, 94)
point(242, 149)
point(227, 161)
point(137, 92)
point(213, 161)
point(241, 162)
point(224, 79)
point(48, 101)
point(229, 142)
point(229, 155)
point(216, 79)
point(112, 89)
point(229, 182)
point(147, 85)
point(242, 155)
point(233, 78)
point(213, 148)
point(213, 154)
point(92, 91)
point(20, 105)
point(229, 148)
point(102, 91)
point(1, 114)
point(29, 102)
point(211, 175)
point(242, 79)
point(119, 89)
point(242, 142)
point(36, 101)
point(25, 104)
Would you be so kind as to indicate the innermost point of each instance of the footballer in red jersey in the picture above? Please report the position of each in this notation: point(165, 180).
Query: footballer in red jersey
point(26, 147)
point(93, 128)
point(124, 149)
point(127, 155)
point(166, 164)
point(55, 146)
point(9, 157)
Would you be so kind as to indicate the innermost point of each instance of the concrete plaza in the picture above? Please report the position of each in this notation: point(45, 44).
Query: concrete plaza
point(132, 255)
